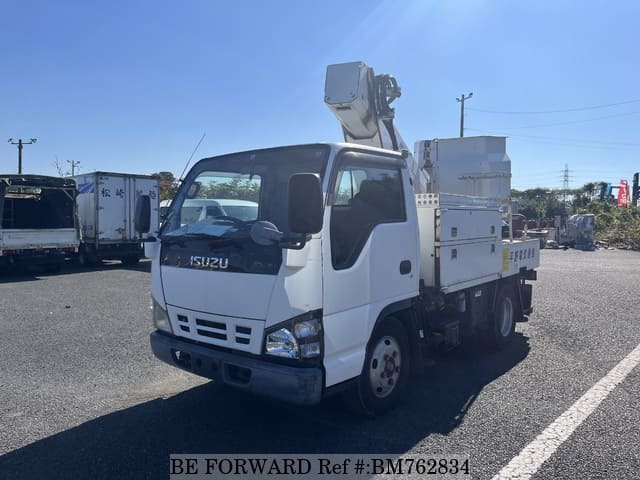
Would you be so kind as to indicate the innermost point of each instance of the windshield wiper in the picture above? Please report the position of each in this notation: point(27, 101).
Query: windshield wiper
point(180, 239)
point(214, 241)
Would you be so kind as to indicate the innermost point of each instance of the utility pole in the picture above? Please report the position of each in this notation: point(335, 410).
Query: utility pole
point(461, 101)
point(73, 164)
point(20, 143)
point(565, 185)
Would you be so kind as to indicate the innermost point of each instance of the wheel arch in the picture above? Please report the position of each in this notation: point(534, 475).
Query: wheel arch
point(405, 312)
point(513, 282)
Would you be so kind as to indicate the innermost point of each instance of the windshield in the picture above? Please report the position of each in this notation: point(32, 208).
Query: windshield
point(223, 196)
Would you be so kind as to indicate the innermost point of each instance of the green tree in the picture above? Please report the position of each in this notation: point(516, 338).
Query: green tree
point(236, 189)
point(539, 203)
point(615, 226)
point(168, 184)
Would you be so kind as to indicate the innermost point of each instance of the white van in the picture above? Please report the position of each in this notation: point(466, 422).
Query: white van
point(201, 209)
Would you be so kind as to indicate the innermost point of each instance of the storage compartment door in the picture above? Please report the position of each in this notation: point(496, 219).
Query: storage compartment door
point(112, 223)
point(458, 225)
point(466, 262)
point(86, 202)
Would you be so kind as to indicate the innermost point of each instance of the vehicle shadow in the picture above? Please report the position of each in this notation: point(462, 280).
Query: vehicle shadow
point(136, 442)
point(29, 274)
point(143, 266)
point(16, 274)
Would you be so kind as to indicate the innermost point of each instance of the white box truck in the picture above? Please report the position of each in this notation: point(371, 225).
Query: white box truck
point(38, 221)
point(355, 266)
point(106, 205)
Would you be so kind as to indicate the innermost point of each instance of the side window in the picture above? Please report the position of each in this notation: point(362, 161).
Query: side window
point(364, 196)
point(348, 185)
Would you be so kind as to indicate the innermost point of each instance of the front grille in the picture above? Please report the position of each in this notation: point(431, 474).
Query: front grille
point(210, 324)
point(231, 332)
point(207, 333)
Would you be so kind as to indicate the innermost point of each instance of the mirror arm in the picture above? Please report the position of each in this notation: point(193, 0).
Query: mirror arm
point(295, 243)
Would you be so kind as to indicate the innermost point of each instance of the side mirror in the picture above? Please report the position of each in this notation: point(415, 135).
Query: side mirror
point(142, 218)
point(194, 190)
point(305, 203)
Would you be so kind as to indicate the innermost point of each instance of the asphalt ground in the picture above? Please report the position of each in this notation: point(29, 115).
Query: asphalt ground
point(81, 395)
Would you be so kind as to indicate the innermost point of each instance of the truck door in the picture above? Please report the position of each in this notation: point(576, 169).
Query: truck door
point(370, 259)
point(112, 224)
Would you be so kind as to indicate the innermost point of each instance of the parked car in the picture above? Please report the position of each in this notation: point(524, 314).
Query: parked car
point(201, 209)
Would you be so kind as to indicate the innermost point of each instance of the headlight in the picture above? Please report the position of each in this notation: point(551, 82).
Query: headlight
point(160, 317)
point(282, 344)
point(307, 328)
point(299, 337)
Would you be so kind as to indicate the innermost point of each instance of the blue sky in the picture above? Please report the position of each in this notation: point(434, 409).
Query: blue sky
point(131, 86)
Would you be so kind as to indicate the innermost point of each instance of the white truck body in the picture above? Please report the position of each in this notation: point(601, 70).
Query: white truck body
point(383, 275)
point(38, 220)
point(469, 166)
point(106, 205)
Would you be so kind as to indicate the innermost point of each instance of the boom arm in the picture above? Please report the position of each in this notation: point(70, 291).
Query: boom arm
point(361, 102)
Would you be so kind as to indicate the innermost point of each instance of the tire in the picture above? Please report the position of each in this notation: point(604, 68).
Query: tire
point(86, 257)
point(82, 258)
point(385, 374)
point(53, 268)
point(130, 260)
point(502, 320)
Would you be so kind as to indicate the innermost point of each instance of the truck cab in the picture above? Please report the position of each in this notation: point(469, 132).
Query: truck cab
point(307, 301)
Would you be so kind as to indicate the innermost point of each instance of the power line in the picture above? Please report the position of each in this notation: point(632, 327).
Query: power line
point(566, 139)
point(541, 112)
point(560, 142)
point(571, 122)
point(604, 173)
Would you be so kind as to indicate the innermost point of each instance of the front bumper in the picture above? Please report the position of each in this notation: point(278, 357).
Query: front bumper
point(301, 386)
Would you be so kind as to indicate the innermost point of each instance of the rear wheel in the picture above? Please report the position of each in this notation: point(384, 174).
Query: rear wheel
point(385, 374)
point(53, 268)
point(86, 257)
point(502, 322)
point(130, 260)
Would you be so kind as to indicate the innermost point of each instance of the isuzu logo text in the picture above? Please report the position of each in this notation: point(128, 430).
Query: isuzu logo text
point(197, 261)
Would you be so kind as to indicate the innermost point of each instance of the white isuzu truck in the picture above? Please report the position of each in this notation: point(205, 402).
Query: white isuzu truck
point(106, 207)
point(360, 261)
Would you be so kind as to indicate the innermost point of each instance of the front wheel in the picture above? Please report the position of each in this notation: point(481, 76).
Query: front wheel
point(385, 374)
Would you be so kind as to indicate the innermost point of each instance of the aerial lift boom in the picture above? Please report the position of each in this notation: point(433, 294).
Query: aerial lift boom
point(361, 101)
